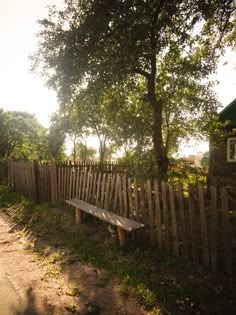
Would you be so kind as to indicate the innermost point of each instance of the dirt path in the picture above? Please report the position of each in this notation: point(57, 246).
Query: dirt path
point(36, 288)
point(25, 278)
point(9, 297)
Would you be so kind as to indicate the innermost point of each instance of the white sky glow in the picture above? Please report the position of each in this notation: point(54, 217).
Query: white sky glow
point(20, 90)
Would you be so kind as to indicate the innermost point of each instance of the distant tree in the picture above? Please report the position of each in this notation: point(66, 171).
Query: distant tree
point(56, 137)
point(86, 152)
point(21, 136)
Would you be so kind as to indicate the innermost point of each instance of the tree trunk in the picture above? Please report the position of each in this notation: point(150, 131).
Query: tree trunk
point(161, 155)
point(102, 150)
point(157, 108)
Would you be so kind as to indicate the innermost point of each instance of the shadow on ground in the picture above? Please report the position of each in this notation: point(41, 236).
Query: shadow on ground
point(104, 279)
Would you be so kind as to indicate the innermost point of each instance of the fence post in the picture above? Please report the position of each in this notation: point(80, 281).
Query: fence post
point(36, 181)
point(53, 182)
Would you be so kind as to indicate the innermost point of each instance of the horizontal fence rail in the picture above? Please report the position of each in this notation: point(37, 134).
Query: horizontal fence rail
point(188, 222)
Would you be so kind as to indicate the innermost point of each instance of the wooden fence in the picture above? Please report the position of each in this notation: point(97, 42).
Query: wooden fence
point(3, 172)
point(187, 222)
point(96, 166)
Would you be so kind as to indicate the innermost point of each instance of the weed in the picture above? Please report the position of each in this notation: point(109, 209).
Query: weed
point(145, 295)
point(73, 292)
point(156, 311)
point(55, 258)
point(71, 308)
point(52, 272)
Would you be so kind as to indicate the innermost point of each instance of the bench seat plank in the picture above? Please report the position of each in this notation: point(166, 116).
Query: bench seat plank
point(107, 216)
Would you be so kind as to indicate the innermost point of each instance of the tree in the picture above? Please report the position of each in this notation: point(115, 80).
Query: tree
point(112, 41)
point(21, 136)
point(85, 152)
point(56, 137)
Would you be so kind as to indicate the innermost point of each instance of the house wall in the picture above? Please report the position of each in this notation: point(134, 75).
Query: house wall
point(221, 172)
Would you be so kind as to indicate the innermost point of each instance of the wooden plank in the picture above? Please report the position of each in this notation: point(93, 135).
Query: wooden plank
point(98, 189)
point(130, 199)
point(150, 213)
point(158, 214)
point(124, 181)
point(36, 181)
point(58, 182)
point(88, 185)
point(142, 202)
point(77, 182)
point(193, 225)
point(79, 216)
point(81, 183)
point(122, 237)
point(53, 182)
point(174, 221)
point(72, 192)
point(94, 191)
point(64, 181)
point(121, 204)
point(166, 217)
point(213, 229)
point(204, 234)
point(182, 220)
point(68, 168)
point(226, 231)
point(116, 194)
point(107, 191)
point(103, 190)
point(137, 216)
point(84, 184)
point(107, 216)
point(111, 195)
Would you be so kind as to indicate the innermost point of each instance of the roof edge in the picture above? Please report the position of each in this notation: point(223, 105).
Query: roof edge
point(230, 104)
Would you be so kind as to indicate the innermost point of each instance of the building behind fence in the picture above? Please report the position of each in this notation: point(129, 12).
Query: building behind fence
point(187, 222)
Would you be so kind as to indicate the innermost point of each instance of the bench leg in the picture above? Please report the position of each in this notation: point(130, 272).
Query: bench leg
point(79, 216)
point(122, 236)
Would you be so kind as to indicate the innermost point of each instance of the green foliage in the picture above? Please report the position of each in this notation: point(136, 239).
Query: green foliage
point(86, 153)
point(21, 136)
point(91, 48)
point(145, 295)
point(56, 138)
point(181, 172)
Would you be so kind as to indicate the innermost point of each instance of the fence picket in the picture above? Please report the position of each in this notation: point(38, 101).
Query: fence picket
point(150, 212)
point(203, 226)
point(130, 199)
point(126, 214)
point(107, 191)
point(116, 194)
point(103, 190)
point(182, 220)
point(166, 217)
point(227, 231)
point(193, 228)
point(158, 214)
point(98, 189)
point(173, 221)
point(213, 229)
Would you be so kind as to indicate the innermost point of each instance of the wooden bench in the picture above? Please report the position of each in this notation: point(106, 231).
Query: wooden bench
point(123, 224)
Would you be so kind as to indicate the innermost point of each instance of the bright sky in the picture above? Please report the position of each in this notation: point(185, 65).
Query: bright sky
point(20, 90)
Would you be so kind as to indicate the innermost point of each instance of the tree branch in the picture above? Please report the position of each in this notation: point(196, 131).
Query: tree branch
point(142, 72)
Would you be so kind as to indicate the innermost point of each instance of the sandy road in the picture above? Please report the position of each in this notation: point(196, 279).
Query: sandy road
point(10, 301)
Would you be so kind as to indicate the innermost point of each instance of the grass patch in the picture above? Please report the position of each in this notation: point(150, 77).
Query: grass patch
point(161, 283)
